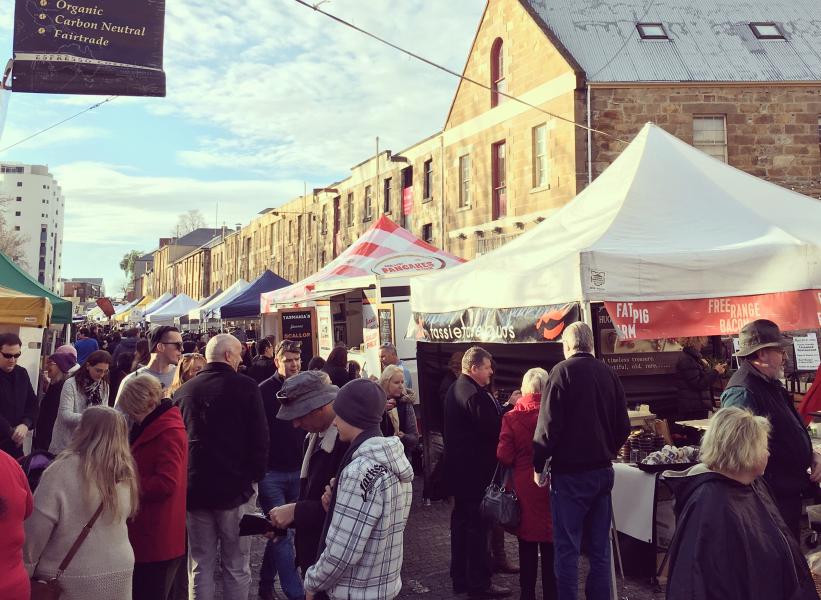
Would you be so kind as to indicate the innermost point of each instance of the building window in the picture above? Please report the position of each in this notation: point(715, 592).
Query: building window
point(290, 231)
point(17, 213)
point(386, 196)
point(349, 209)
point(710, 136)
point(19, 184)
point(427, 232)
point(16, 228)
point(652, 31)
point(464, 181)
point(819, 130)
point(498, 83)
point(499, 174)
point(540, 173)
point(19, 198)
point(324, 219)
point(368, 203)
point(427, 185)
point(767, 31)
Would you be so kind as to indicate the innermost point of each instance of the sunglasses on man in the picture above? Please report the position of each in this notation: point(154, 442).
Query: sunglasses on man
point(10, 356)
point(177, 344)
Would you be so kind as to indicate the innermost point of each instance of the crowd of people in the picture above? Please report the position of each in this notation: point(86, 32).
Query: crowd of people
point(153, 460)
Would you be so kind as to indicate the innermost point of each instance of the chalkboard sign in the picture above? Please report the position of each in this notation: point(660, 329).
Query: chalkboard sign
point(297, 325)
point(385, 316)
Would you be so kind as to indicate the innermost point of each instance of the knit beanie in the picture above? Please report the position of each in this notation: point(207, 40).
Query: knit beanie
point(360, 403)
point(64, 360)
point(67, 349)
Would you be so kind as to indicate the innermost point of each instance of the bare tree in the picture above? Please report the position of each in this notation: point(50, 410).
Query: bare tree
point(12, 242)
point(188, 222)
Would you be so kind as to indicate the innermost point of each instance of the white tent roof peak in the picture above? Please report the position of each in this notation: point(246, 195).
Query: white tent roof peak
point(663, 221)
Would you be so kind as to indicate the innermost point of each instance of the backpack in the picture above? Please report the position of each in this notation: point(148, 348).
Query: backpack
point(34, 464)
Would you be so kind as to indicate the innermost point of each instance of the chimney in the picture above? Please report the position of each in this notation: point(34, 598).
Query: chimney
point(239, 226)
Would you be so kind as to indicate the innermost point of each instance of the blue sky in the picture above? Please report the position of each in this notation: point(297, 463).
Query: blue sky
point(259, 101)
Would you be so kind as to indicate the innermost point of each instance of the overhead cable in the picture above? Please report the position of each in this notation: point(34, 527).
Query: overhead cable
point(315, 8)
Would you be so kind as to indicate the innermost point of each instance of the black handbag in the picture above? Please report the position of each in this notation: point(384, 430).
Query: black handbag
point(500, 506)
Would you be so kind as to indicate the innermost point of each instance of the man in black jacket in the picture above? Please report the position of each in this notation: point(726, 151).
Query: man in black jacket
point(307, 402)
point(228, 453)
point(281, 483)
point(473, 420)
point(582, 424)
point(18, 404)
point(756, 386)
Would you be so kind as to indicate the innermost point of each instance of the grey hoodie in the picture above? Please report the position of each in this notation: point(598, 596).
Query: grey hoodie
point(363, 548)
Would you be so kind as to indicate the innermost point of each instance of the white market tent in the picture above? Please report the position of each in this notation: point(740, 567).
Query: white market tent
point(663, 222)
point(158, 303)
point(211, 308)
point(174, 308)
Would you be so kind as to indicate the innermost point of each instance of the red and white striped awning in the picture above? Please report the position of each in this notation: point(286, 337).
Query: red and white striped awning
point(383, 251)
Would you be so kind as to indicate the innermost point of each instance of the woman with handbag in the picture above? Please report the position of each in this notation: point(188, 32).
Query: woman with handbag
point(76, 544)
point(515, 451)
point(88, 387)
point(160, 448)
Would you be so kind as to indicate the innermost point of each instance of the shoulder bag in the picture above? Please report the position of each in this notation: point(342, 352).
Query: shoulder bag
point(51, 590)
point(500, 506)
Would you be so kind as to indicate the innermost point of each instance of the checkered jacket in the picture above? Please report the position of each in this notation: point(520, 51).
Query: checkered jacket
point(363, 548)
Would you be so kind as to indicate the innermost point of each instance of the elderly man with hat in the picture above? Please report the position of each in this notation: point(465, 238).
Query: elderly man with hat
point(757, 387)
point(307, 402)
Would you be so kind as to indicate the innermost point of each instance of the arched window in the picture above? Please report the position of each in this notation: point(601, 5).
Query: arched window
point(497, 73)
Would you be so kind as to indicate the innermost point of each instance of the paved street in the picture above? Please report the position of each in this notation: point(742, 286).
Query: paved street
point(427, 555)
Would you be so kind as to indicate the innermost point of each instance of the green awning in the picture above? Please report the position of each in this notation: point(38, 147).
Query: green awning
point(13, 277)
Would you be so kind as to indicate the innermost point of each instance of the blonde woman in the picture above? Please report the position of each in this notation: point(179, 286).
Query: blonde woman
point(399, 419)
point(189, 365)
point(731, 542)
point(160, 448)
point(95, 470)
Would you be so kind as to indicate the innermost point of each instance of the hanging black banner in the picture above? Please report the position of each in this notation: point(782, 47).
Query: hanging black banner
point(89, 47)
point(525, 324)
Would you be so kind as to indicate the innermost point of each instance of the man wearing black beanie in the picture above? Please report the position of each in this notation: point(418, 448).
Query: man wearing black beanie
point(362, 552)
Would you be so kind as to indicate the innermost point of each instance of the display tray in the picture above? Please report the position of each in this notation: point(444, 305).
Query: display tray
point(669, 467)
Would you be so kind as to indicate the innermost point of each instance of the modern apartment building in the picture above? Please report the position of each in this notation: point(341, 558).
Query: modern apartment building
point(34, 207)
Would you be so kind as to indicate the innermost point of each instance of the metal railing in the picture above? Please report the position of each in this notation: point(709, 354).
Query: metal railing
point(493, 241)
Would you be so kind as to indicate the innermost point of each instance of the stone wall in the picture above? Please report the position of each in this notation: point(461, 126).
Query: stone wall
point(772, 131)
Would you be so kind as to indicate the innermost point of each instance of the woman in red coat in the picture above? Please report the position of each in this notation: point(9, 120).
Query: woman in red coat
point(160, 447)
point(516, 450)
point(15, 505)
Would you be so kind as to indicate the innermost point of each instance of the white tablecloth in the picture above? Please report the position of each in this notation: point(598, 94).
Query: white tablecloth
point(634, 494)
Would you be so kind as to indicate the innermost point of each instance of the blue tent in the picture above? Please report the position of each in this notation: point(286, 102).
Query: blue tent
point(246, 305)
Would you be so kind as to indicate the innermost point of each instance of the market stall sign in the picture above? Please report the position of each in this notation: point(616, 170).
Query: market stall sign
point(807, 357)
point(524, 324)
point(298, 325)
point(106, 306)
point(408, 264)
point(714, 316)
point(386, 325)
point(73, 47)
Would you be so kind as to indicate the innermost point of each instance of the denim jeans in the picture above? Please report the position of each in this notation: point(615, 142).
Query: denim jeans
point(209, 530)
point(278, 488)
point(581, 508)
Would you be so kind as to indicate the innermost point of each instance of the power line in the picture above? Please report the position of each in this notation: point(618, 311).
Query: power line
point(74, 116)
point(315, 8)
point(626, 40)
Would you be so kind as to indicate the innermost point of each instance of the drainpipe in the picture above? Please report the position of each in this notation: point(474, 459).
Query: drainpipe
point(589, 141)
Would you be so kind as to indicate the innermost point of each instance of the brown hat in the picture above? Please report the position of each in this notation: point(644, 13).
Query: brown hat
point(759, 334)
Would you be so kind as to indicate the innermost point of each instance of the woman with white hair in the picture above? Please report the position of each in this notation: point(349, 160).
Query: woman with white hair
point(731, 542)
point(515, 451)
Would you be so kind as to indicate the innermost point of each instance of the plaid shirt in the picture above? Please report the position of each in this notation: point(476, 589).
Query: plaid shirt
point(362, 559)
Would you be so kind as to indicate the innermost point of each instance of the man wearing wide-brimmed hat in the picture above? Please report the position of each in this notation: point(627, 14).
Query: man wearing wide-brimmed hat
point(306, 401)
point(757, 387)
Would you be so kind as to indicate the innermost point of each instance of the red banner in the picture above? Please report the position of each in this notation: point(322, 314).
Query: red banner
point(106, 306)
point(792, 311)
point(407, 200)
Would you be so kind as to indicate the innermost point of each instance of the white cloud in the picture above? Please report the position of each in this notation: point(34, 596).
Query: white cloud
point(292, 89)
point(112, 208)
